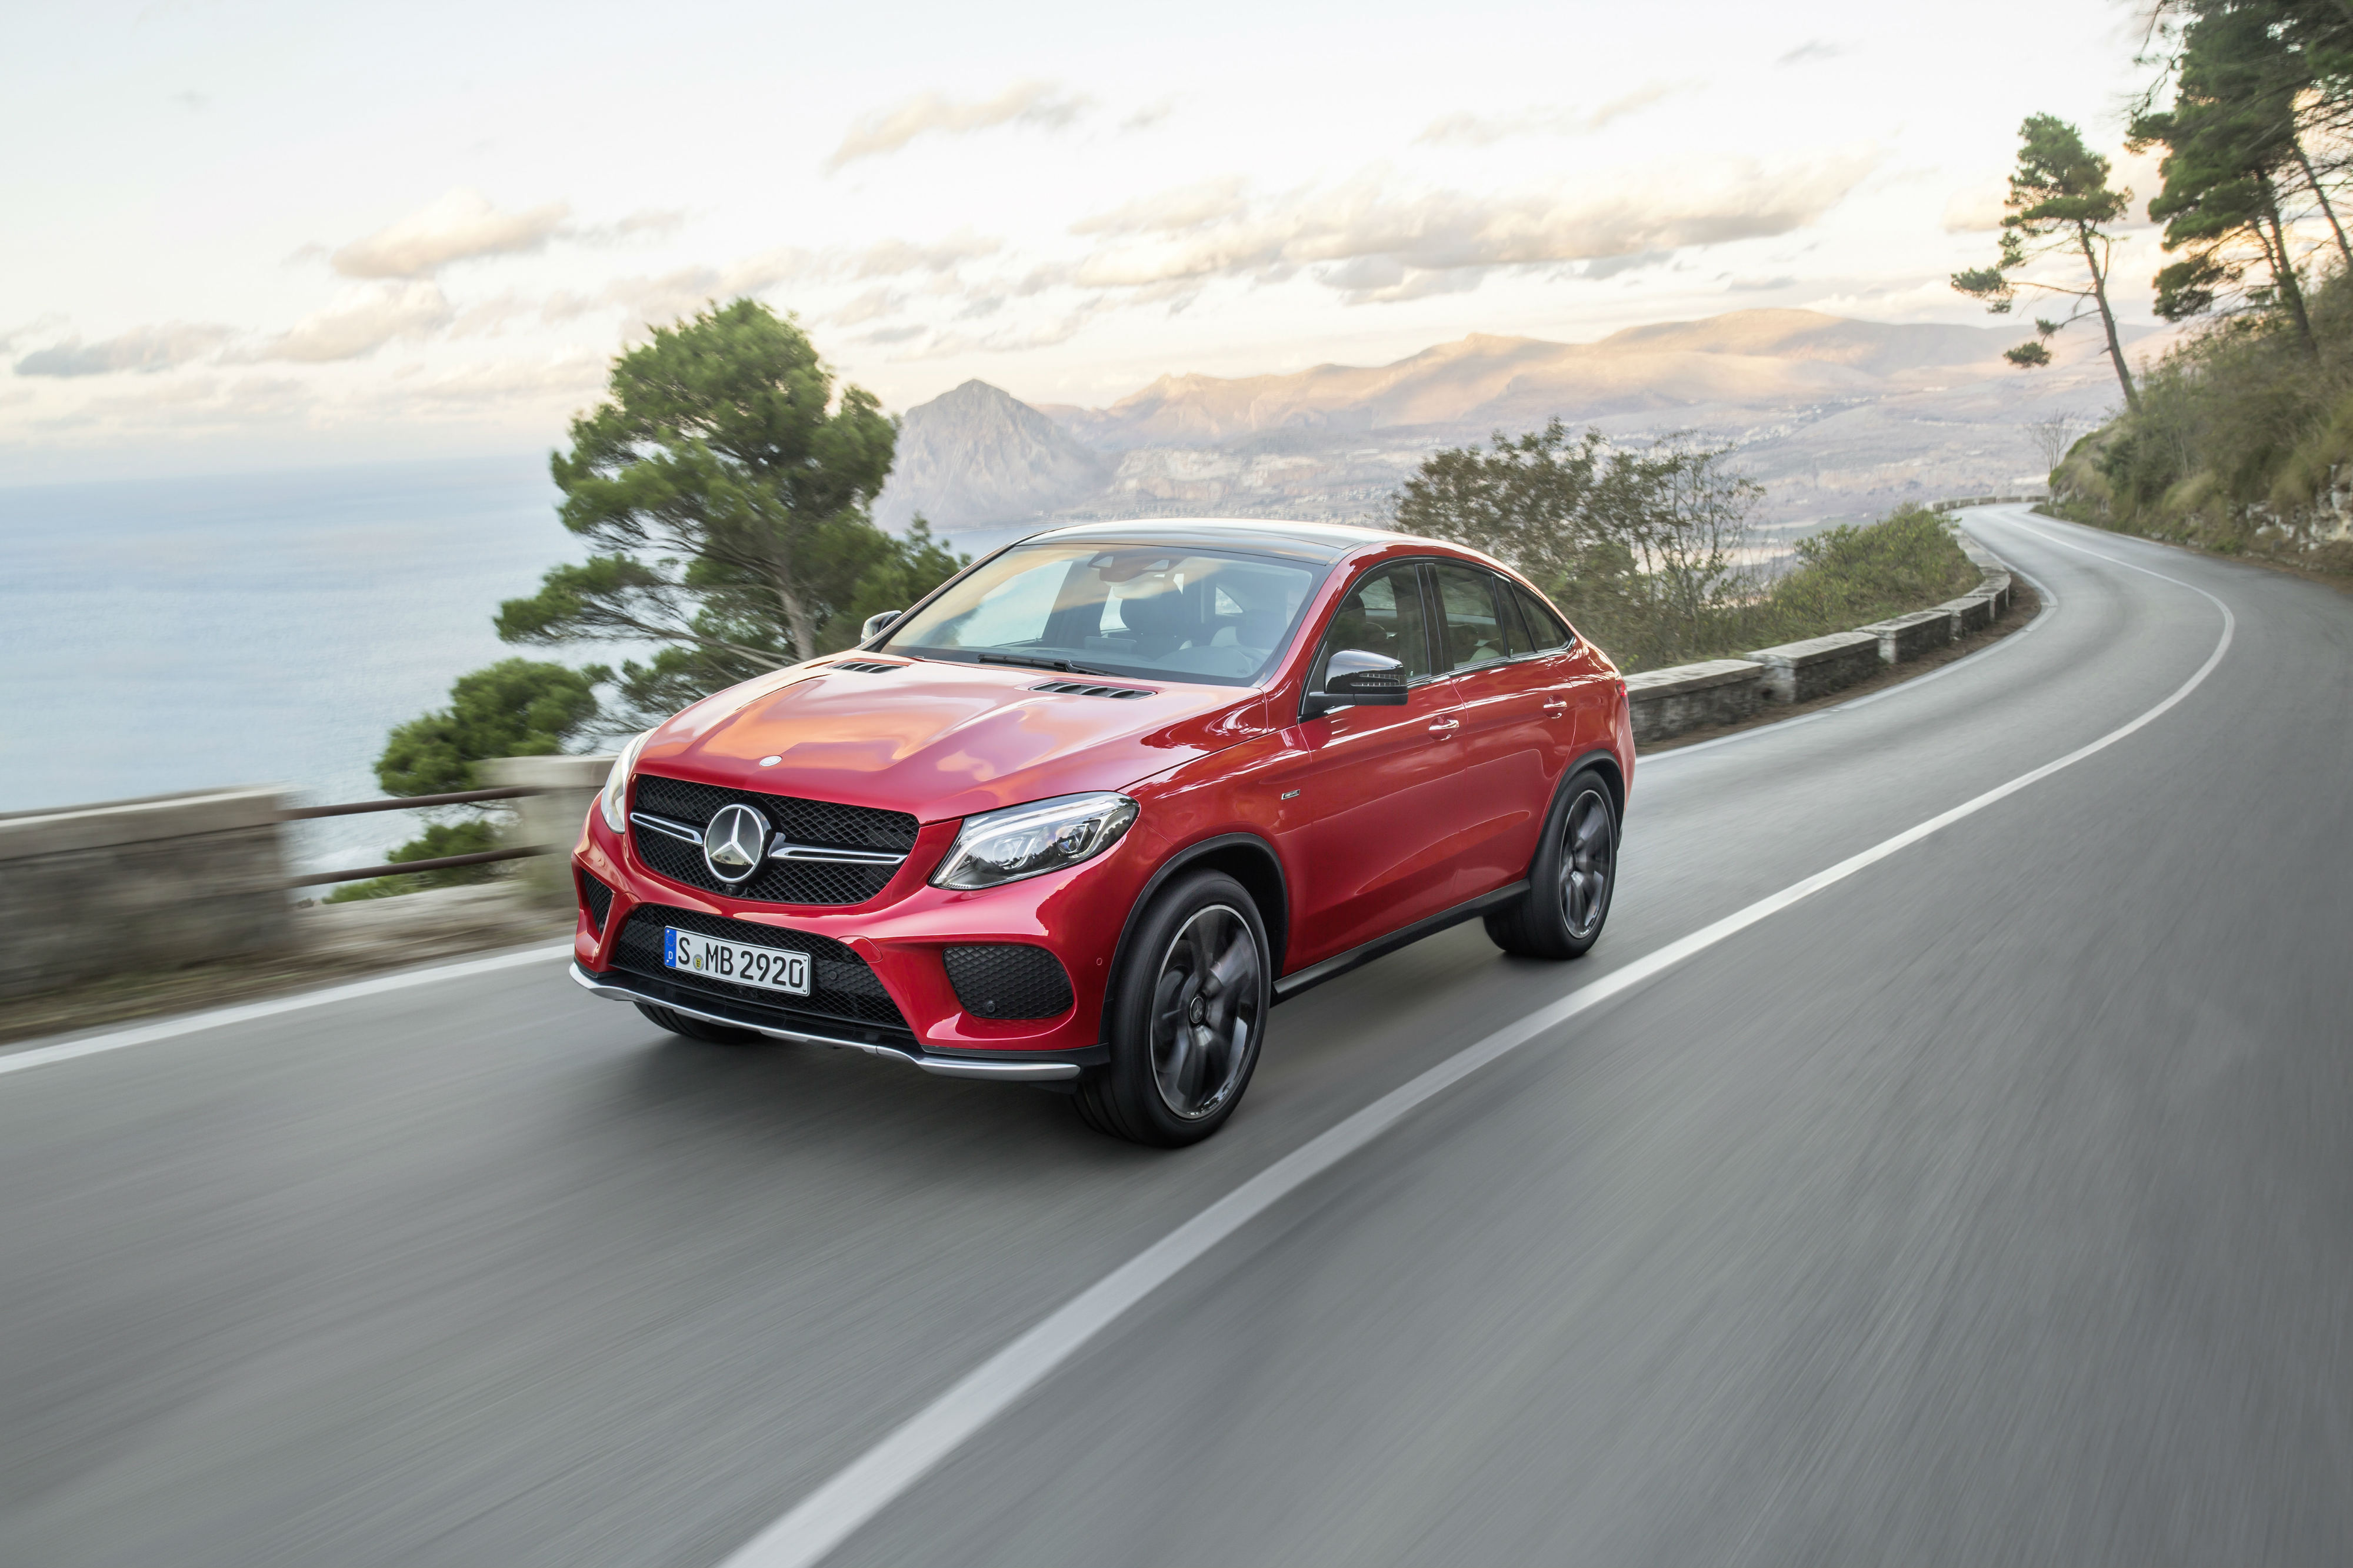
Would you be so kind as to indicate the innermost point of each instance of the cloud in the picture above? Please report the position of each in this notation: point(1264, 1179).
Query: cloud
point(891, 129)
point(653, 223)
point(461, 226)
point(1976, 210)
point(362, 322)
point(570, 375)
point(142, 349)
point(43, 322)
point(896, 257)
point(872, 305)
point(1475, 130)
point(1611, 265)
point(1373, 242)
point(656, 301)
point(1009, 339)
point(670, 296)
point(1181, 207)
point(1150, 115)
point(1812, 50)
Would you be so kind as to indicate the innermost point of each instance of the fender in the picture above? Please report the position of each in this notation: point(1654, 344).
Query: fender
point(1611, 769)
point(1278, 932)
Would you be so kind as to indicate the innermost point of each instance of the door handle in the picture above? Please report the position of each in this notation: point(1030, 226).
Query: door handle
point(1444, 726)
point(1556, 705)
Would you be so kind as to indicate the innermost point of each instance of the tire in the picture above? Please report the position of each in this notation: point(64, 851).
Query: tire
point(1185, 1018)
point(1571, 880)
point(696, 1029)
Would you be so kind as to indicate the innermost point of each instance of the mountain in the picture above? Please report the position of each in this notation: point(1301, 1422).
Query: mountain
point(1838, 418)
point(978, 456)
point(1744, 360)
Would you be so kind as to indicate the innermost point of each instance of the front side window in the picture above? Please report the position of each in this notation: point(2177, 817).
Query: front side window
point(1382, 613)
point(1473, 632)
point(1153, 613)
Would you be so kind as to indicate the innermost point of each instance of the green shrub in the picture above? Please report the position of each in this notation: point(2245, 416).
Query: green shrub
point(2238, 430)
point(439, 838)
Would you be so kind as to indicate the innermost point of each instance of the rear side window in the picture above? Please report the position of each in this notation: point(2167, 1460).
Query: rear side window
point(1516, 628)
point(1548, 630)
point(1472, 632)
point(1383, 614)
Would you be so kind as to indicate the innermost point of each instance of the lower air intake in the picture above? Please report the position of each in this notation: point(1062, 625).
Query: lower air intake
point(1007, 980)
point(595, 899)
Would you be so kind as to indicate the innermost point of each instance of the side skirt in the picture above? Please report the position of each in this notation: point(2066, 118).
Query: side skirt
point(1314, 975)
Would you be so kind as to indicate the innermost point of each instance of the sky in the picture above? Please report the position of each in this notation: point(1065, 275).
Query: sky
point(250, 236)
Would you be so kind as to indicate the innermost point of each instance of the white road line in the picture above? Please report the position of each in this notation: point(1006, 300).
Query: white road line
point(830, 1514)
point(147, 1034)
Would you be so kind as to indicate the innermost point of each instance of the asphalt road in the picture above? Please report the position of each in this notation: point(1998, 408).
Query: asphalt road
point(1995, 1204)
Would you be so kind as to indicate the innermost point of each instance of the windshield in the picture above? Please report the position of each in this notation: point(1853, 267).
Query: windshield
point(1178, 613)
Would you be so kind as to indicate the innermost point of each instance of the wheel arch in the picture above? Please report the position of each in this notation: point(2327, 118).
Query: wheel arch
point(1247, 860)
point(1603, 761)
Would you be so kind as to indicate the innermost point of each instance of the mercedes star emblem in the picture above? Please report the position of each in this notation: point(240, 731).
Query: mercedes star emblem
point(735, 843)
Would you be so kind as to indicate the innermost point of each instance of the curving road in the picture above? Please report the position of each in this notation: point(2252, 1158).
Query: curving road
point(1992, 1201)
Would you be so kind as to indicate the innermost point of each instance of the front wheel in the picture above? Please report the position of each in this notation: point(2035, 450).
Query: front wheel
point(1569, 884)
point(1184, 1017)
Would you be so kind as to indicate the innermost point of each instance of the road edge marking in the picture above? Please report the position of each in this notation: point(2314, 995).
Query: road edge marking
point(808, 1532)
point(192, 1023)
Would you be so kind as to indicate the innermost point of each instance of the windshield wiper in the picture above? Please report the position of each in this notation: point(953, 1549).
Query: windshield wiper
point(1032, 662)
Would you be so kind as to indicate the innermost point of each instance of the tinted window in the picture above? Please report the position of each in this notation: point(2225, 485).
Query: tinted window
point(1382, 614)
point(1474, 635)
point(1515, 630)
point(1179, 613)
point(1550, 631)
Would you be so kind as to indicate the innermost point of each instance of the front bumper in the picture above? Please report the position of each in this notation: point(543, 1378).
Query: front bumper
point(1028, 1067)
point(895, 945)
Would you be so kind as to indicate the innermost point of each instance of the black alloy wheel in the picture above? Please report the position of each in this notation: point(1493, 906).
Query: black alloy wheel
point(696, 1029)
point(1587, 860)
point(1571, 880)
point(1185, 1016)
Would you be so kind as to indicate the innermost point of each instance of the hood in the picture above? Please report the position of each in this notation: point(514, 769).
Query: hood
point(941, 740)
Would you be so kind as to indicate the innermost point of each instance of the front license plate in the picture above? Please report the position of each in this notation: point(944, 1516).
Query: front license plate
point(769, 968)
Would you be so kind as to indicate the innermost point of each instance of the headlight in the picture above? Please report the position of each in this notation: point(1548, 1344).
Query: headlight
point(1031, 841)
point(613, 800)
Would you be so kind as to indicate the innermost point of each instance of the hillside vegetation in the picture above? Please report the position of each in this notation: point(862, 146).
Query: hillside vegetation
point(2236, 439)
point(2241, 444)
point(1646, 549)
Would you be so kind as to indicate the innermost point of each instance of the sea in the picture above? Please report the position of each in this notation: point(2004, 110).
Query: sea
point(167, 635)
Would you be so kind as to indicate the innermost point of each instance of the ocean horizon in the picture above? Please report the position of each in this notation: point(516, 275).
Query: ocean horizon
point(159, 635)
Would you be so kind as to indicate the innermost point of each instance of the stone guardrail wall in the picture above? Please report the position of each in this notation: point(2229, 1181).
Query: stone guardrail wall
point(156, 884)
point(1686, 697)
point(132, 885)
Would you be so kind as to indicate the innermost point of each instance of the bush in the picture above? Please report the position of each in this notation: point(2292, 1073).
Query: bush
point(1644, 547)
point(2236, 437)
point(1852, 574)
point(437, 839)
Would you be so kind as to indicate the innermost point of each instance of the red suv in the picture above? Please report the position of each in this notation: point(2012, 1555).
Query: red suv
point(1085, 813)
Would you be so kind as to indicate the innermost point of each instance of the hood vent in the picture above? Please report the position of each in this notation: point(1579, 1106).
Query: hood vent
point(1086, 689)
point(864, 667)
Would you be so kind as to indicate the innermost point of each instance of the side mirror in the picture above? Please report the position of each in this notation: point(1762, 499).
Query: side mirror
point(1355, 678)
point(877, 624)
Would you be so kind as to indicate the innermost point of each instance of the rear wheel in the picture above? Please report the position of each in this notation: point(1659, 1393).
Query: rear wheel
point(1185, 1018)
point(1569, 884)
point(696, 1029)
